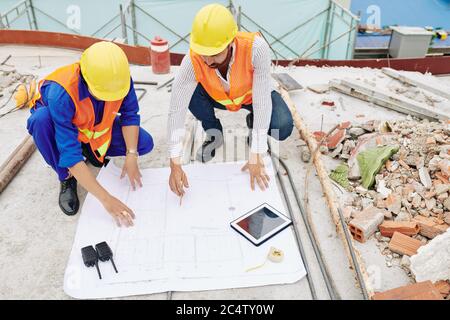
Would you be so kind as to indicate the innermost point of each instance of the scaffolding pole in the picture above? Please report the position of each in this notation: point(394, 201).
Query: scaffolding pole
point(327, 30)
point(124, 25)
point(33, 15)
point(133, 22)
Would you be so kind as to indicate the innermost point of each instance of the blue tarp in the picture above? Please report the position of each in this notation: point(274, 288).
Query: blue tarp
point(382, 41)
point(418, 13)
point(275, 19)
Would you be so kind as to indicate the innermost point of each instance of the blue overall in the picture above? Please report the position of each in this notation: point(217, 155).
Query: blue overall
point(56, 137)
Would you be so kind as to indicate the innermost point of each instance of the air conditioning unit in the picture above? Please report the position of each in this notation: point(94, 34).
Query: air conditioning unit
point(409, 42)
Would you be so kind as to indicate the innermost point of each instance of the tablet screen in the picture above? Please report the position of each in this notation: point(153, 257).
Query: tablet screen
point(261, 223)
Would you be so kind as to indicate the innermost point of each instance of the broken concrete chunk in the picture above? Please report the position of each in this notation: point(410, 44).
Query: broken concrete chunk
point(441, 188)
point(336, 151)
point(444, 165)
point(361, 190)
point(403, 244)
point(349, 145)
point(433, 165)
point(405, 262)
point(442, 197)
point(403, 216)
point(356, 132)
point(366, 202)
point(425, 178)
point(424, 213)
point(432, 261)
point(430, 203)
point(392, 165)
point(305, 154)
point(382, 190)
point(430, 227)
point(447, 218)
point(393, 203)
point(447, 203)
point(416, 201)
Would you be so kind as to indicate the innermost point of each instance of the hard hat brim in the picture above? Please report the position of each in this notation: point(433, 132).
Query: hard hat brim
point(208, 51)
point(109, 96)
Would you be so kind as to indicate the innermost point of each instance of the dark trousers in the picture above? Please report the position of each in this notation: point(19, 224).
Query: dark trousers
point(40, 126)
point(202, 107)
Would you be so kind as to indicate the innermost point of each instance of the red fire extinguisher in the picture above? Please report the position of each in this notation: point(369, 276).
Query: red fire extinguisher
point(160, 56)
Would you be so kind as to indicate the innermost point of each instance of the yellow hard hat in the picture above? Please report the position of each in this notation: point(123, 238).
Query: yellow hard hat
point(105, 68)
point(212, 30)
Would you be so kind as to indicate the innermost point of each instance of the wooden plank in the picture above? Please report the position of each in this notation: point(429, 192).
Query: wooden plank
point(417, 291)
point(17, 159)
point(384, 99)
point(286, 81)
point(330, 196)
point(416, 83)
point(319, 88)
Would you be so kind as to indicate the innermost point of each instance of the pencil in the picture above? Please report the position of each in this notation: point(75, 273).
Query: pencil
point(181, 198)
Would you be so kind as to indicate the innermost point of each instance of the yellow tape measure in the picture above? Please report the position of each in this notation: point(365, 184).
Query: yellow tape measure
point(274, 255)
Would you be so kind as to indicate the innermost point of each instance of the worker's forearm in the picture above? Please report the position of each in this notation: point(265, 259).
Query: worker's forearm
point(131, 136)
point(182, 90)
point(87, 180)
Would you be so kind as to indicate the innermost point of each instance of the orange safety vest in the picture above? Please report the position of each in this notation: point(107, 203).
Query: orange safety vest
point(97, 136)
point(241, 74)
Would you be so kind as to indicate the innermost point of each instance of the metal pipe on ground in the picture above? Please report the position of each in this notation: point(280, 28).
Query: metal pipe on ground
point(15, 161)
point(352, 254)
point(331, 287)
point(312, 288)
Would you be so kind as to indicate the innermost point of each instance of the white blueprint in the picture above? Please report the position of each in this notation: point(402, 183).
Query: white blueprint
point(180, 248)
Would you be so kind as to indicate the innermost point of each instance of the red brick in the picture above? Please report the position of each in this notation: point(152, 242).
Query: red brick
point(443, 287)
point(417, 291)
point(409, 228)
point(403, 244)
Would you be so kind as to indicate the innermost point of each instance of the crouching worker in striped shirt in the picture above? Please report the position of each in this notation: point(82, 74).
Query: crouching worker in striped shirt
point(90, 109)
point(229, 70)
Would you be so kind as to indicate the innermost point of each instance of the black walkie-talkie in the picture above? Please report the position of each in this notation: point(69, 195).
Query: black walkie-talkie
point(90, 258)
point(105, 253)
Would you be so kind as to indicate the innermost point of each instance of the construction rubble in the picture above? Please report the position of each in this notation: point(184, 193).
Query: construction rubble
point(396, 180)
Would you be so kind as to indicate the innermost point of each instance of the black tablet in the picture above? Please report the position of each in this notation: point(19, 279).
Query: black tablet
point(260, 224)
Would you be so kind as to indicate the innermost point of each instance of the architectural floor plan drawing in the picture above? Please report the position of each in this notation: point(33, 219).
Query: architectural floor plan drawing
point(185, 246)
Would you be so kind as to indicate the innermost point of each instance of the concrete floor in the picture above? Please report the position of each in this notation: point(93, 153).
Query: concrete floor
point(36, 237)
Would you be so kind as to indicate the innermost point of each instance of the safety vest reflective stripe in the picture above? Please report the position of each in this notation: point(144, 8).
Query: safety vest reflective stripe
point(103, 148)
point(88, 133)
point(100, 133)
point(91, 134)
point(236, 101)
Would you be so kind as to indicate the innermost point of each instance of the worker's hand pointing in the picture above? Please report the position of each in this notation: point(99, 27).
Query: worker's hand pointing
point(178, 179)
point(131, 169)
point(255, 166)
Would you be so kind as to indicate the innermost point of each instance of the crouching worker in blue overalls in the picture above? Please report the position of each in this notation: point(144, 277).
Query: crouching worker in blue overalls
point(90, 109)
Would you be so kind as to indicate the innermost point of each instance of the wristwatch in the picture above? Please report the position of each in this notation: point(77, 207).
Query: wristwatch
point(132, 151)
